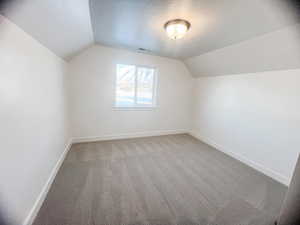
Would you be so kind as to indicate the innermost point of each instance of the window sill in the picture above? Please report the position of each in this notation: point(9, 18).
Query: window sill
point(134, 108)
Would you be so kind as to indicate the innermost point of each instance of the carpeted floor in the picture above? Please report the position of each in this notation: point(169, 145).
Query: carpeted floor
point(173, 179)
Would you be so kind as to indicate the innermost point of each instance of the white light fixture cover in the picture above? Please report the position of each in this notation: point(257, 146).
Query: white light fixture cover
point(177, 29)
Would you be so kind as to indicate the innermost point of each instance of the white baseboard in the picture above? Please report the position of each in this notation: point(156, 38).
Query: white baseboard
point(38, 203)
point(127, 136)
point(269, 172)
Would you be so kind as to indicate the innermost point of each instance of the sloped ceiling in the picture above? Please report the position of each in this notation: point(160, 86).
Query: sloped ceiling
point(277, 50)
point(137, 24)
point(68, 26)
point(63, 26)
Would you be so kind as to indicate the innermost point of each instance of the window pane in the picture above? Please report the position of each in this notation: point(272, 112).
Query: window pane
point(125, 85)
point(145, 83)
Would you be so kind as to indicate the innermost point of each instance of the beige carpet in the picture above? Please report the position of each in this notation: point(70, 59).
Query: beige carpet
point(173, 179)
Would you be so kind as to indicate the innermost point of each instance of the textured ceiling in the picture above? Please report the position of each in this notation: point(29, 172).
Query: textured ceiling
point(137, 24)
point(68, 26)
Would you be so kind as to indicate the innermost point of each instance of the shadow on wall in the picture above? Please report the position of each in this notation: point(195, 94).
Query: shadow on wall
point(4, 4)
point(295, 5)
point(3, 221)
point(290, 211)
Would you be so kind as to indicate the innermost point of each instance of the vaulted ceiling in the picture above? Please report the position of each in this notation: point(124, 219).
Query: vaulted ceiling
point(68, 26)
point(63, 26)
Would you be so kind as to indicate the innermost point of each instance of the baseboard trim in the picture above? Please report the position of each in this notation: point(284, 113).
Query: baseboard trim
point(39, 201)
point(269, 172)
point(127, 136)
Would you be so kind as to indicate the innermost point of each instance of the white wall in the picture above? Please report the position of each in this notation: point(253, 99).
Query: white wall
point(92, 90)
point(33, 126)
point(255, 117)
point(278, 50)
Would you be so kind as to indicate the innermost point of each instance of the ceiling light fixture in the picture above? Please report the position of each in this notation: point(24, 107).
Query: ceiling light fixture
point(176, 29)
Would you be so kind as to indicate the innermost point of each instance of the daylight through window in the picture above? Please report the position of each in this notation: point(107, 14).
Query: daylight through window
point(135, 86)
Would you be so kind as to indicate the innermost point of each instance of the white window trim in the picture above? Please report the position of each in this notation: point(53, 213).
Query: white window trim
point(136, 106)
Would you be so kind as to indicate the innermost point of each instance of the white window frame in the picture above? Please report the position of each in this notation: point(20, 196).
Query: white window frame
point(137, 106)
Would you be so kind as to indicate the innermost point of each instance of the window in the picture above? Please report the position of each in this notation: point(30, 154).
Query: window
point(135, 86)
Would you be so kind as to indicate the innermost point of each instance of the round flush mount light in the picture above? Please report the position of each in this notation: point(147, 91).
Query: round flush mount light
point(177, 29)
